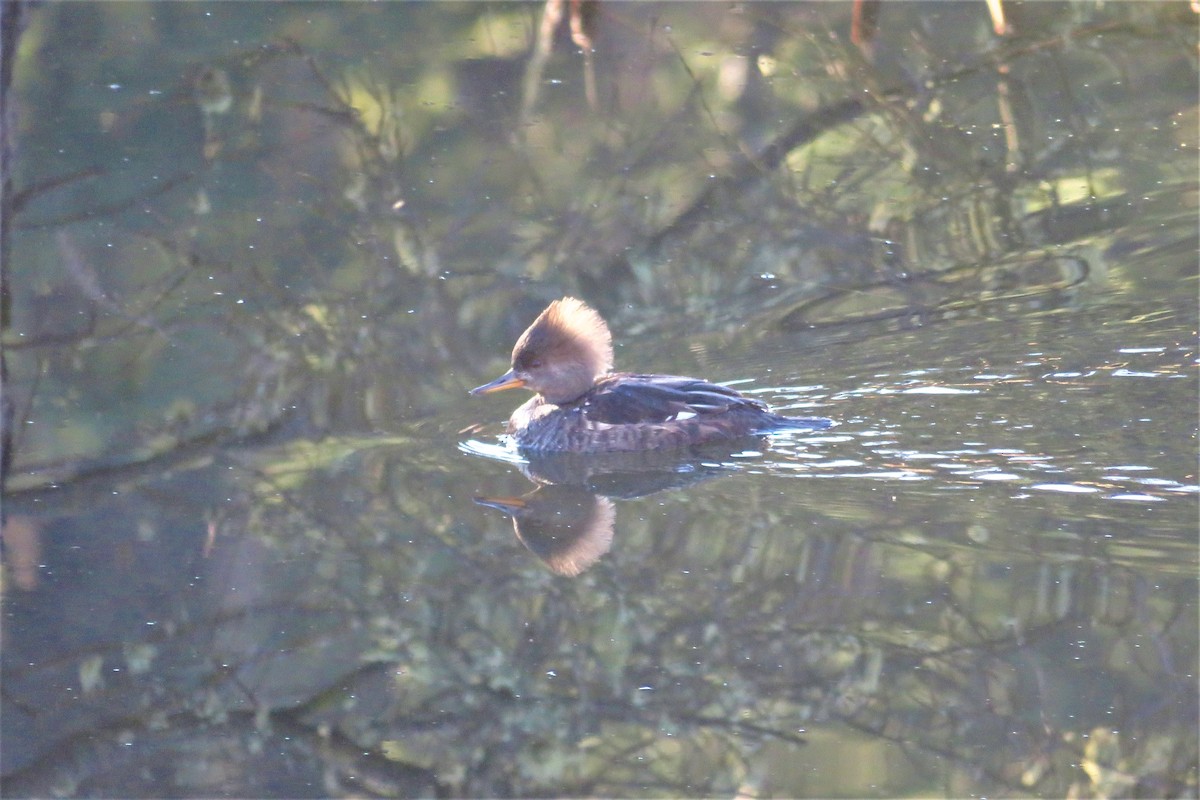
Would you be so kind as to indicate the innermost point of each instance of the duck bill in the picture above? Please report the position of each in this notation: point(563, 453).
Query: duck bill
point(508, 380)
point(509, 505)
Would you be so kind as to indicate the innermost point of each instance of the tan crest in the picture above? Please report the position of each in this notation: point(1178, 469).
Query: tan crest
point(570, 326)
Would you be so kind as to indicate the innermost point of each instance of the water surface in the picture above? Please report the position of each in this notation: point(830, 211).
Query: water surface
point(259, 541)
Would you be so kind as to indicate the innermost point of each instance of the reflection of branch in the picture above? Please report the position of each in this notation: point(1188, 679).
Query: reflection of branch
point(159, 637)
point(74, 757)
point(748, 168)
point(25, 195)
point(103, 750)
point(87, 280)
point(15, 427)
point(109, 209)
point(82, 475)
point(739, 727)
point(906, 742)
point(13, 19)
point(369, 769)
point(542, 48)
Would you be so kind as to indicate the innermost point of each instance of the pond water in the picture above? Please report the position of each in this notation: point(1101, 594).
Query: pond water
point(259, 541)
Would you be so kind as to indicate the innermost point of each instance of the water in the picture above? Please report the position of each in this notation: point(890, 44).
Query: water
point(259, 541)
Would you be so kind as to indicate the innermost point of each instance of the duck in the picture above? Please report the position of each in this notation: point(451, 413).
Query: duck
point(580, 405)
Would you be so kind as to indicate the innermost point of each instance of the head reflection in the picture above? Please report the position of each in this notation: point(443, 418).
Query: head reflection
point(567, 527)
point(568, 520)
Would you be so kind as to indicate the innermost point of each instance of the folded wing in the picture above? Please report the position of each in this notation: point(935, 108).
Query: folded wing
point(626, 399)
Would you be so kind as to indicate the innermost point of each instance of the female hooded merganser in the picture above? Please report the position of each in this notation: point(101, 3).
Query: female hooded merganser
point(581, 406)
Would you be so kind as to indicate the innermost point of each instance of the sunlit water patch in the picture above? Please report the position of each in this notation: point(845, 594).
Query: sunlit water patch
point(1032, 426)
point(502, 450)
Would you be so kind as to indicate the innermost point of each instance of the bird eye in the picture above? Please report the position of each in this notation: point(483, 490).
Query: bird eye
point(534, 363)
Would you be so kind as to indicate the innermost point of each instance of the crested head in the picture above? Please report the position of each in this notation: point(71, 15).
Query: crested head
point(564, 351)
point(569, 328)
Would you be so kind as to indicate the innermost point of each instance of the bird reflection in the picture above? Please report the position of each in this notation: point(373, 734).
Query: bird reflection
point(569, 519)
point(565, 526)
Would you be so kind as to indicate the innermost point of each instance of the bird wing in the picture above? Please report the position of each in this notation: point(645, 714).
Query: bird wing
point(624, 399)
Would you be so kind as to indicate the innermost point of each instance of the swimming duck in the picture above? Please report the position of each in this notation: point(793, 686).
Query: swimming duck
point(581, 406)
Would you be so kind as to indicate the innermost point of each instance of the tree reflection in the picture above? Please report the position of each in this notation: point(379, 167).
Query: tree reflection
point(390, 641)
point(241, 283)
